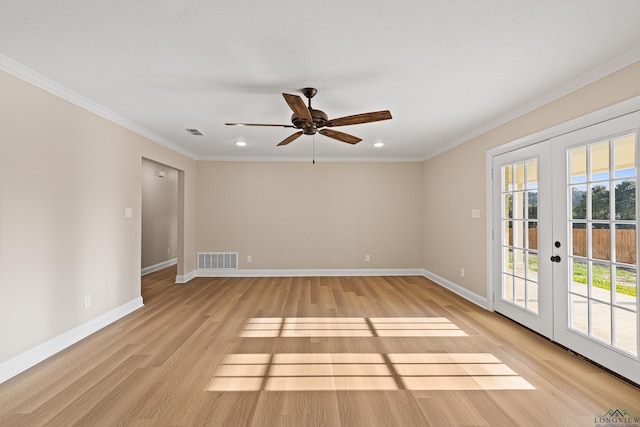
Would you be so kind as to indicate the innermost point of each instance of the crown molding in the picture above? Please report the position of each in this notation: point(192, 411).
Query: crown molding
point(628, 58)
point(30, 76)
point(20, 71)
point(309, 160)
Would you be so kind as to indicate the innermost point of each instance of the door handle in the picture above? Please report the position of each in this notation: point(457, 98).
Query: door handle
point(556, 258)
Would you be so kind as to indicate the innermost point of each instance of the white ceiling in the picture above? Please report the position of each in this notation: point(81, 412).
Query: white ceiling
point(446, 69)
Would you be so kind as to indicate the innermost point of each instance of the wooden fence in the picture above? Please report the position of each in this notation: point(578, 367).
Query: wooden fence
point(600, 246)
point(625, 243)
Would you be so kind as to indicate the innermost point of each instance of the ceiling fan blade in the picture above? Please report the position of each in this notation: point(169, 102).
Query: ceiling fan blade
point(360, 118)
point(340, 136)
point(298, 106)
point(258, 124)
point(290, 138)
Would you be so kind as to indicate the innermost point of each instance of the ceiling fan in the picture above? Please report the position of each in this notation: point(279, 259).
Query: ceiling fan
point(310, 121)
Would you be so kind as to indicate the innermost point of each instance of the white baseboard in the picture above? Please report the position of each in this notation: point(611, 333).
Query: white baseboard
point(309, 273)
point(186, 277)
point(26, 360)
point(457, 289)
point(158, 266)
point(453, 287)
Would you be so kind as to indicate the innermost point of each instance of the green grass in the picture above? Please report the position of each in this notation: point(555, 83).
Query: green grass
point(601, 278)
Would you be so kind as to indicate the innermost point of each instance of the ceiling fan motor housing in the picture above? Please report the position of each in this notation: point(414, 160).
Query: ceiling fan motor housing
point(320, 120)
point(309, 121)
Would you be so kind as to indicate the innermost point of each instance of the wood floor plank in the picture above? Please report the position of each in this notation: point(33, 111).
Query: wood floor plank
point(380, 408)
point(465, 411)
point(224, 409)
point(162, 364)
point(68, 408)
point(292, 409)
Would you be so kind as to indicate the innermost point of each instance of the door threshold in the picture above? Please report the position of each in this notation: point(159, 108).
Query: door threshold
point(578, 355)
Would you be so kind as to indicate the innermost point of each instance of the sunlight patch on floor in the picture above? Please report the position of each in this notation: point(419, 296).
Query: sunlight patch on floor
point(301, 327)
point(365, 371)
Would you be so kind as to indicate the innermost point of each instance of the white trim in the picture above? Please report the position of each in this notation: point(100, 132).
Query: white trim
point(489, 228)
point(309, 273)
point(309, 159)
point(610, 67)
point(20, 71)
point(611, 112)
point(625, 107)
point(456, 289)
point(453, 287)
point(158, 266)
point(180, 279)
point(26, 360)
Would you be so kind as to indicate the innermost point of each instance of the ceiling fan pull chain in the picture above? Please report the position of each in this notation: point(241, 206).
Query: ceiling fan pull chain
point(314, 149)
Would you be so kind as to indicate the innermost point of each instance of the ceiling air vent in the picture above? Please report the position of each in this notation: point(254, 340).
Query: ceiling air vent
point(194, 132)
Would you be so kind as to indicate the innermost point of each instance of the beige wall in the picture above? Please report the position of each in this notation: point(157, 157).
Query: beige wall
point(454, 182)
point(305, 216)
point(66, 176)
point(159, 213)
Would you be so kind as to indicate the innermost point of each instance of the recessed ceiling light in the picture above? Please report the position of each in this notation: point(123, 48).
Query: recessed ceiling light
point(378, 144)
point(241, 143)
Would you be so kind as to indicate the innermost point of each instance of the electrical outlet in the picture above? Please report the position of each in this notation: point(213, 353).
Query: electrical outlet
point(462, 272)
point(168, 251)
point(87, 301)
point(248, 258)
point(367, 258)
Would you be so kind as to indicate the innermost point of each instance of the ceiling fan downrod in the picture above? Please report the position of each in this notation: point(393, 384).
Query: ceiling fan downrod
point(309, 121)
point(309, 92)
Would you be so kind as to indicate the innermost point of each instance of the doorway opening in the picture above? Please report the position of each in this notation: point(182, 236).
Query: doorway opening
point(161, 226)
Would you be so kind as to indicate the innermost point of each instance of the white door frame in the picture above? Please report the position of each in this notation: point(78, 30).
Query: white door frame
point(620, 109)
point(573, 133)
point(604, 354)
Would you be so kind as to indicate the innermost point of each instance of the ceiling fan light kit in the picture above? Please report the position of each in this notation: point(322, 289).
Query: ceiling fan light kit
point(310, 121)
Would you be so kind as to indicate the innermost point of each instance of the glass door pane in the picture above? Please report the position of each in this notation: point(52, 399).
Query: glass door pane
point(602, 258)
point(521, 201)
point(595, 220)
point(519, 209)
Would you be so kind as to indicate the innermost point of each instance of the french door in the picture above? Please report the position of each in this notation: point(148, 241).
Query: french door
point(566, 234)
point(522, 234)
point(596, 214)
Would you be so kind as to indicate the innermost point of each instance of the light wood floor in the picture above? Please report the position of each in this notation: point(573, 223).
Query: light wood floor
point(320, 351)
